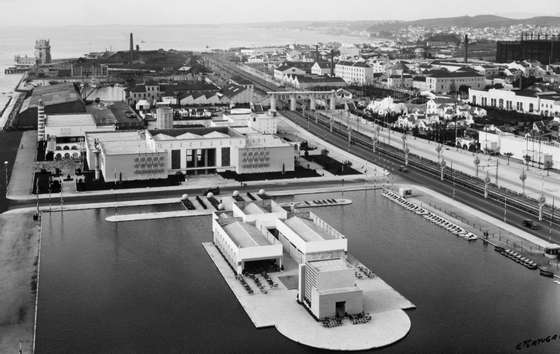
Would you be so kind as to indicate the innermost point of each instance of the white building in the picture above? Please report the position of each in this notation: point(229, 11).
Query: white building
point(243, 243)
point(354, 73)
point(321, 68)
point(156, 154)
point(530, 102)
point(399, 81)
point(328, 289)
point(444, 82)
point(306, 237)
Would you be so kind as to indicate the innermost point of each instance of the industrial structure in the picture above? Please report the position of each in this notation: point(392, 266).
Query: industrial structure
point(43, 51)
point(544, 48)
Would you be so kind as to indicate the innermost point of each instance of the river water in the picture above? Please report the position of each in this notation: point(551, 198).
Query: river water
point(149, 287)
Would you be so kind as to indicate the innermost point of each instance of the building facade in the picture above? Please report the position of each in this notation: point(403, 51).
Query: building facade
point(445, 82)
point(528, 102)
point(354, 73)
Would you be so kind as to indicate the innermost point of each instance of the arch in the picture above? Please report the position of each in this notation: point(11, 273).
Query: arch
point(74, 147)
point(66, 147)
point(58, 148)
point(67, 156)
point(75, 155)
point(58, 156)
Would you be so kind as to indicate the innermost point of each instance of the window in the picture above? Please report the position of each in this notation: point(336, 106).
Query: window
point(225, 157)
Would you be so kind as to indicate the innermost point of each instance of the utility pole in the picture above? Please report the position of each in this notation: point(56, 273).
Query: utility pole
point(505, 208)
point(497, 163)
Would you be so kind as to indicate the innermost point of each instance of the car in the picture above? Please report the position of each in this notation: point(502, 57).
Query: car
point(403, 168)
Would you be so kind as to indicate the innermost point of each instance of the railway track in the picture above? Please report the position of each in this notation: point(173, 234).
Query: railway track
point(427, 167)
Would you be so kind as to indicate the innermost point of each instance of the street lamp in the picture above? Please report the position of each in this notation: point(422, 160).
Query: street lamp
point(523, 177)
point(6, 176)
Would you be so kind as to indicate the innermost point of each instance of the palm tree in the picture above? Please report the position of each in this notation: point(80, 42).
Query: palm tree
point(523, 177)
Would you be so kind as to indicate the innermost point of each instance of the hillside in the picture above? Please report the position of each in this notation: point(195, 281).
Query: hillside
point(467, 21)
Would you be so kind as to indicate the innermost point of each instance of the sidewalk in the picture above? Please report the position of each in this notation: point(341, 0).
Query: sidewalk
point(21, 180)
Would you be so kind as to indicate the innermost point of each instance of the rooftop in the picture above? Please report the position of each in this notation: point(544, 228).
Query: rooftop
point(115, 143)
point(70, 120)
point(330, 265)
point(243, 234)
point(307, 229)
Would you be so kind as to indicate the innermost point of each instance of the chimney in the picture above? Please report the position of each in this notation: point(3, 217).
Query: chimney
point(131, 51)
point(332, 62)
point(466, 48)
point(317, 53)
point(137, 48)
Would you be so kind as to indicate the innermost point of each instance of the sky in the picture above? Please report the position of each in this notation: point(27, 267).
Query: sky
point(151, 12)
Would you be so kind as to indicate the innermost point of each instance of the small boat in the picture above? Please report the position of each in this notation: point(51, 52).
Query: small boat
point(499, 249)
point(546, 273)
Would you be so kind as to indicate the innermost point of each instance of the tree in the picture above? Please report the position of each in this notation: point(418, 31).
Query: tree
point(476, 163)
point(508, 155)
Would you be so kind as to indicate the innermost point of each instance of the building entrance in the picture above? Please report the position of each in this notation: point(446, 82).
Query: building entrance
point(341, 309)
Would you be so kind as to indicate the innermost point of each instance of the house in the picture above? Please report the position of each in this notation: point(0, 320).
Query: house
point(321, 68)
point(399, 81)
point(237, 94)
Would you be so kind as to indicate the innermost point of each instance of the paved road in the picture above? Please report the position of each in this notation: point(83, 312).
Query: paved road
point(416, 176)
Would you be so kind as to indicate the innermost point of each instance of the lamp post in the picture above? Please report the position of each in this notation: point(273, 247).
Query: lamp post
point(6, 176)
point(476, 164)
point(442, 168)
point(486, 183)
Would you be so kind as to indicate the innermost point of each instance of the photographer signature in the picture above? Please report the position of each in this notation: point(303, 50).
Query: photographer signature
point(530, 343)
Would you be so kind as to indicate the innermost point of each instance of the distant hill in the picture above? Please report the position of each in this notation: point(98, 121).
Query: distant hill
point(466, 21)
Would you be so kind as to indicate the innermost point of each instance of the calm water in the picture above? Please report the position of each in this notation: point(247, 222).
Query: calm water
point(149, 287)
point(73, 41)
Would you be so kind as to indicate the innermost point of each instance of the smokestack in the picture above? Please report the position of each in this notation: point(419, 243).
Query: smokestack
point(466, 48)
point(317, 53)
point(131, 42)
point(131, 51)
point(332, 62)
point(137, 48)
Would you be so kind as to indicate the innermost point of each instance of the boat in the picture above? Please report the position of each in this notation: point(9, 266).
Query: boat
point(499, 249)
point(546, 273)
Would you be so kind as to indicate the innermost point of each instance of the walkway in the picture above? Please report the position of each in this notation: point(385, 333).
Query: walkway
point(21, 181)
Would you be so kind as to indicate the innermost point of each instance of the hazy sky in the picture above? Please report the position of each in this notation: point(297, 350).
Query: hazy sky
point(127, 12)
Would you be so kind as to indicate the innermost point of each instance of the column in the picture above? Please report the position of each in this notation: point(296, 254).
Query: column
point(292, 103)
point(312, 103)
point(332, 103)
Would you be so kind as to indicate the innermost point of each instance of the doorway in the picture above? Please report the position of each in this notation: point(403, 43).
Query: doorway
point(340, 308)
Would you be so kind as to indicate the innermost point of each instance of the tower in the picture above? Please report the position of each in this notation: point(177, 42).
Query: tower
point(43, 51)
point(41, 120)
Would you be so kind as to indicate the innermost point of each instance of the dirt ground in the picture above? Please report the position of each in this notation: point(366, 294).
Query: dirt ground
point(19, 244)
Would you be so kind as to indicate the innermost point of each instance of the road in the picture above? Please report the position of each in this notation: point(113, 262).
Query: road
point(421, 177)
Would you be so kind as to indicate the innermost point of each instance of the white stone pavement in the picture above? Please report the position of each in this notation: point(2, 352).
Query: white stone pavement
point(508, 175)
point(280, 309)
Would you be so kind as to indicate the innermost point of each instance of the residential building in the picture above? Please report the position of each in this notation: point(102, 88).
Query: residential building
point(293, 68)
point(321, 68)
point(354, 73)
point(399, 81)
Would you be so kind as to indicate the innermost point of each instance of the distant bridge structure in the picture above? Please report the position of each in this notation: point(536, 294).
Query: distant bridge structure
point(294, 96)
